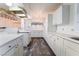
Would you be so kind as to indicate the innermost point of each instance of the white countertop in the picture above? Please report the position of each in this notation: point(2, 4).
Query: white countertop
point(65, 36)
point(24, 31)
point(70, 34)
point(5, 37)
point(68, 37)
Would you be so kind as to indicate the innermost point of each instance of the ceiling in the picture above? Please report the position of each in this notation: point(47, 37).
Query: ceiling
point(48, 7)
point(2, 5)
point(39, 11)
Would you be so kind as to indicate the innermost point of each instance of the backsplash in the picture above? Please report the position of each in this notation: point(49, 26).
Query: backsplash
point(2, 29)
point(65, 28)
point(5, 22)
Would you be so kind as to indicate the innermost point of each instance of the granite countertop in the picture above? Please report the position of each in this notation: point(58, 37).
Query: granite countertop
point(5, 37)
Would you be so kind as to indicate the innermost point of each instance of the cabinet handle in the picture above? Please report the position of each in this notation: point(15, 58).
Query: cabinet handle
point(15, 47)
point(9, 46)
point(57, 38)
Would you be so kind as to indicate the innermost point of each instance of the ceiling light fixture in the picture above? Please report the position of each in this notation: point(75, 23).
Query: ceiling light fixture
point(9, 4)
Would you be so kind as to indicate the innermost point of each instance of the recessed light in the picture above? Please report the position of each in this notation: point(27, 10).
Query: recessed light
point(9, 4)
point(20, 14)
point(15, 9)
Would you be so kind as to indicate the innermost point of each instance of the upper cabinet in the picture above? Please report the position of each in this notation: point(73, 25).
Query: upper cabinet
point(51, 27)
point(75, 16)
point(61, 15)
point(57, 16)
point(50, 18)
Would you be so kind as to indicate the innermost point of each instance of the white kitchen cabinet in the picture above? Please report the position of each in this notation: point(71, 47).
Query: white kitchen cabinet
point(60, 46)
point(61, 15)
point(12, 48)
point(53, 43)
point(57, 16)
point(11, 52)
point(37, 33)
point(50, 41)
point(19, 49)
point(27, 24)
point(75, 16)
point(56, 44)
point(65, 14)
point(26, 38)
point(50, 22)
point(71, 52)
point(7, 47)
point(71, 48)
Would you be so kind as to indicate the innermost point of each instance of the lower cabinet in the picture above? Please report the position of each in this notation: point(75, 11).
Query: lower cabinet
point(71, 52)
point(19, 47)
point(12, 48)
point(62, 46)
point(59, 46)
point(12, 52)
point(26, 38)
point(65, 47)
point(54, 38)
point(71, 48)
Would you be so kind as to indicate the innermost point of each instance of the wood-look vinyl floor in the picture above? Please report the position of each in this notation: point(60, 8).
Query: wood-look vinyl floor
point(38, 47)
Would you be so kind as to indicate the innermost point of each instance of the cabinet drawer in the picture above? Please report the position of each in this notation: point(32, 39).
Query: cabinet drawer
point(72, 45)
point(5, 48)
point(12, 52)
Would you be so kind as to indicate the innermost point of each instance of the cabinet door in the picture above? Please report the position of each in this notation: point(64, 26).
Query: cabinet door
point(20, 46)
point(50, 22)
point(11, 52)
point(57, 16)
point(71, 52)
point(71, 48)
point(25, 24)
point(66, 14)
point(54, 38)
point(26, 39)
point(61, 44)
point(60, 47)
